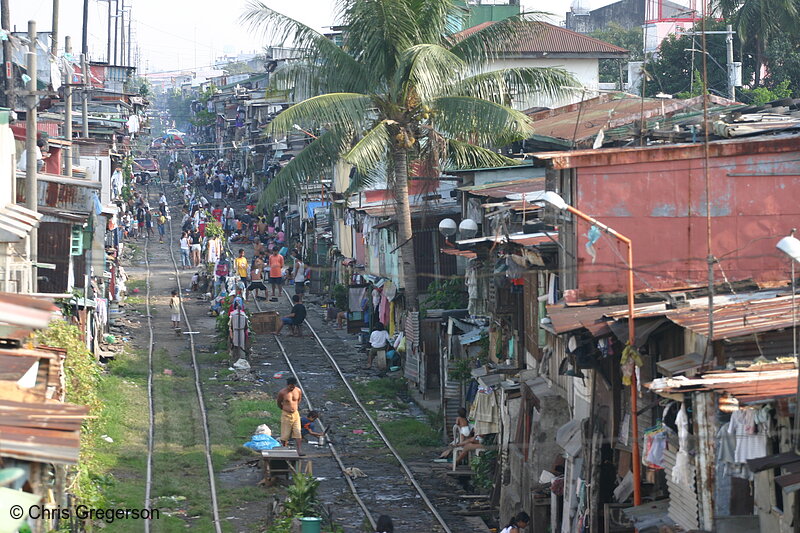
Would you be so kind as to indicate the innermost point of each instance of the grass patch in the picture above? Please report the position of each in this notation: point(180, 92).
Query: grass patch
point(246, 414)
point(410, 436)
point(132, 284)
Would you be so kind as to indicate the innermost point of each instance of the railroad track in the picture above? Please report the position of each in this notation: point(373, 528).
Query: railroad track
point(407, 473)
point(198, 390)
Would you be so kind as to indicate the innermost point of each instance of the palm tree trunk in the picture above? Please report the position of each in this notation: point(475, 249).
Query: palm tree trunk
point(404, 229)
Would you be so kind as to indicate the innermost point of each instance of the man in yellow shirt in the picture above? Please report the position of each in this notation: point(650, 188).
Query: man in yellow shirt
point(240, 264)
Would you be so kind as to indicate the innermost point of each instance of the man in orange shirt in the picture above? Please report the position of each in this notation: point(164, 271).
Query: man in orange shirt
point(275, 272)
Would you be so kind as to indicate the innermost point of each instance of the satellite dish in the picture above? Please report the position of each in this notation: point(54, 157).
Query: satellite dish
point(447, 227)
point(468, 228)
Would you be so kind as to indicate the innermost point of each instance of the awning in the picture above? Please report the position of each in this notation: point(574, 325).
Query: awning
point(41, 432)
point(523, 239)
point(16, 222)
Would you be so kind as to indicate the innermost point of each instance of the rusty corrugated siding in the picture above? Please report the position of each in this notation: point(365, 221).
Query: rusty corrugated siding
point(656, 198)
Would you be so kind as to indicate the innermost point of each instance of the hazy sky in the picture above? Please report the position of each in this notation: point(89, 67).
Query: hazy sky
point(185, 33)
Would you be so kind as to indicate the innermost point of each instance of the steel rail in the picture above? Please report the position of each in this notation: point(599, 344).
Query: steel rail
point(197, 384)
point(335, 453)
point(150, 401)
point(375, 425)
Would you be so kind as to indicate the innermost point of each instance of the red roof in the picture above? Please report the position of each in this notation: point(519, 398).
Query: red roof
point(548, 38)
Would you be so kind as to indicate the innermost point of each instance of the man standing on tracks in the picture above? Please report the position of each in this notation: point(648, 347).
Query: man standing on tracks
point(240, 264)
point(275, 273)
point(289, 402)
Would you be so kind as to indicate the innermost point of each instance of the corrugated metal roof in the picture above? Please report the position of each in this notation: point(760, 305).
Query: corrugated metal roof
point(747, 386)
point(25, 311)
point(737, 319)
point(41, 432)
point(543, 37)
point(503, 189)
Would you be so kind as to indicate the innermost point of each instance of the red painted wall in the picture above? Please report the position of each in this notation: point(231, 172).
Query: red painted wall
point(661, 206)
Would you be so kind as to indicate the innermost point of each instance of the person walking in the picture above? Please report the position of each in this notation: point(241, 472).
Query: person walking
point(175, 312)
point(161, 221)
point(186, 242)
point(275, 273)
point(240, 265)
point(257, 279)
point(288, 400)
point(299, 276)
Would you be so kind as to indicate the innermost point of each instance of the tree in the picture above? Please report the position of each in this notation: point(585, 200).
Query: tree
point(402, 88)
point(613, 70)
point(673, 69)
point(758, 22)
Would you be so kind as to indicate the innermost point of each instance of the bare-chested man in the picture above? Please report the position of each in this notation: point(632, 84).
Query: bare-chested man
point(289, 402)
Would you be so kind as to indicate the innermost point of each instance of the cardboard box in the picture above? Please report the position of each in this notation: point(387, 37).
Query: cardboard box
point(265, 321)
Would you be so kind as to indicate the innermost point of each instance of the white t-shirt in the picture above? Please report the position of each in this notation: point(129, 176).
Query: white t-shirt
point(378, 339)
point(185, 243)
point(300, 272)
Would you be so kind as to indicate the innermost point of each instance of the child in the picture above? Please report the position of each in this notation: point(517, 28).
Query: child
point(175, 312)
point(307, 426)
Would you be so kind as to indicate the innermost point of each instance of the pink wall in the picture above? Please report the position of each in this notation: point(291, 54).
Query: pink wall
point(660, 205)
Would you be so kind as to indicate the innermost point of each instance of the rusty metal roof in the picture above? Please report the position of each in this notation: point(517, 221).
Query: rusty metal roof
point(548, 38)
point(737, 319)
point(41, 432)
point(25, 311)
point(580, 123)
point(505, 188)
point(462, 253)
point(762, 383)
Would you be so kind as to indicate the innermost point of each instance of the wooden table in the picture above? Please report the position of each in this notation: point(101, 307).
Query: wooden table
point(285, 461)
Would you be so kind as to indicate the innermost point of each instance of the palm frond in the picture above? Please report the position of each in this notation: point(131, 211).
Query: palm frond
point(462, 155)
point(313, 161)
point(429, 69)
point(498, 38)
point(440, 18)
point(503, 86)
point(371, 149)
point(479, 121)
point(345, 110)
point(339, 70)
point(377, 33)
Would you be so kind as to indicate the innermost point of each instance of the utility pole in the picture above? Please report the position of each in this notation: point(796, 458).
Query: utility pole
point(68, 112)
point(731, 65)
point(130, 40)
point(85, 41)
point(116, 28)
point(734, 68)
point(54, 36)
point(85, 97)
point(108, 52)
point(122, 32)
point(8, 72)
point(31, 162)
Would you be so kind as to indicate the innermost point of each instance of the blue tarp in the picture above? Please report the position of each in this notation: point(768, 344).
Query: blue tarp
point(310, 206)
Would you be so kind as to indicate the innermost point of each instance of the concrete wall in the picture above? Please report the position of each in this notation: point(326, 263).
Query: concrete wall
point(626, 13)
point(585, 71)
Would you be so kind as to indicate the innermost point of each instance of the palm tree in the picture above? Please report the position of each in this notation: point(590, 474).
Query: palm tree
point(757, 22)
point(403, 87)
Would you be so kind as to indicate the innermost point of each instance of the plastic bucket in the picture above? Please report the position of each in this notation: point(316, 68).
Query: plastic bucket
point(310, 525)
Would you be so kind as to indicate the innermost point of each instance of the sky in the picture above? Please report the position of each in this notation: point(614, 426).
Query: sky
point(188, 34)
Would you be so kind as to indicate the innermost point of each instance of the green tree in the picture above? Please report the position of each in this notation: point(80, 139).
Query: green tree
point(615, 70)
point(679, 56)
point(783, 62)
point(758, 22)
point(401, 88)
